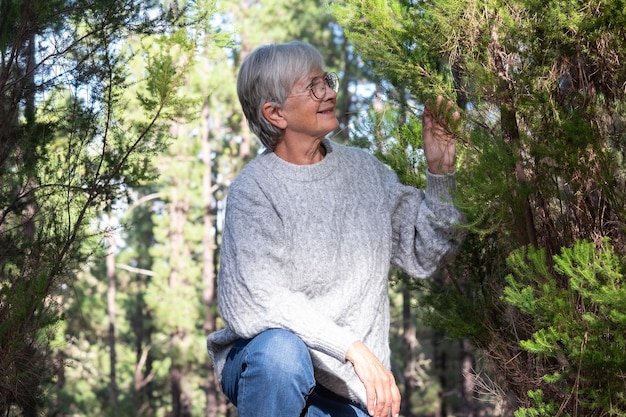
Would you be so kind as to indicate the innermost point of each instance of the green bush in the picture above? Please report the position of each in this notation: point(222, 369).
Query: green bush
point(577, 306)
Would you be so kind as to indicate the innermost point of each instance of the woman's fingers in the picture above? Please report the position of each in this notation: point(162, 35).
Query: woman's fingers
point(387, 397)
point(383, 396)
point(439, 143)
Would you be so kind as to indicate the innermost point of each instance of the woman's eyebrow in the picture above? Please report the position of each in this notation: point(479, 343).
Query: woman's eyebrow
point(314, 78)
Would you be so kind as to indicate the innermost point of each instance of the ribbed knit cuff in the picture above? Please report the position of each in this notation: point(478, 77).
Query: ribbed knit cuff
point(439, 188)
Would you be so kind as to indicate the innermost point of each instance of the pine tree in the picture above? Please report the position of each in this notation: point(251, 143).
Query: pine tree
point(71, 145)
point(577, 330)
point(541, 159)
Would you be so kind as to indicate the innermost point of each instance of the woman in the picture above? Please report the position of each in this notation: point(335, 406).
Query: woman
point(311, 230)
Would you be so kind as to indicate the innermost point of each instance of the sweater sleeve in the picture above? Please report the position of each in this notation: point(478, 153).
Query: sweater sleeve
point(253, 288)
point(426, 226)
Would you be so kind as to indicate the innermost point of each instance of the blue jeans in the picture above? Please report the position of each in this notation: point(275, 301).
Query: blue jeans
point(272, 375)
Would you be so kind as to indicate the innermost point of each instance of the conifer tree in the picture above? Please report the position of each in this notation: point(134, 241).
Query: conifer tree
point(541, 168)
point(70, 146)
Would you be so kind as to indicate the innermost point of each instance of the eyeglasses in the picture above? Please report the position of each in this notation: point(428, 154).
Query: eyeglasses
point(318, 85)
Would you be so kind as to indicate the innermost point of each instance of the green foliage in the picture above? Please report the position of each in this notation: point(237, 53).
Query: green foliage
point(540, 164)
point(385, 35)
point(72, 140)
point(577, 313)
point(397, 142)
point(540, 408)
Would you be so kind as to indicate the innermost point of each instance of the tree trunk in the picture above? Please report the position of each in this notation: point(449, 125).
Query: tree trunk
point(181, 403)
point(208, 264)
point(111, 311)
point(178, 209)
point(511, 136)
point(410, 344)
point(468, 381)
point(143, 344)
point(440, 356)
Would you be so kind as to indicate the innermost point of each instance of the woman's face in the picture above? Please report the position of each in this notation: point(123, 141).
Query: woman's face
point(307, 116)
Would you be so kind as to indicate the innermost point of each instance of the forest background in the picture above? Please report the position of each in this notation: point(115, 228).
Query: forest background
point(120, 133)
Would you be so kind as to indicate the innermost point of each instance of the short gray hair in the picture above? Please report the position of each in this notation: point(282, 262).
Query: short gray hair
point(267, 75)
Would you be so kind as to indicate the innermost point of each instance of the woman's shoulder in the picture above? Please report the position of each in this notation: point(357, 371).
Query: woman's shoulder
point(353, 152)
point(248, 177)
point(358, 157)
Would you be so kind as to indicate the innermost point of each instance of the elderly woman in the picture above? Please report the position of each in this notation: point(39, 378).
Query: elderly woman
point(311, 229)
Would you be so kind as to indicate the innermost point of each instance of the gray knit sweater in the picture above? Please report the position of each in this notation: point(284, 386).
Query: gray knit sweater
point(308, 248)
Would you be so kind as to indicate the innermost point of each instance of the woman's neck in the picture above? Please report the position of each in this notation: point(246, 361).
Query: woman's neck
point(299, 153)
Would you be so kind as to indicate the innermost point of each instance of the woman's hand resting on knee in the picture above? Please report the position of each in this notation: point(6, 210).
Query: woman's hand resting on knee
point(383, 396)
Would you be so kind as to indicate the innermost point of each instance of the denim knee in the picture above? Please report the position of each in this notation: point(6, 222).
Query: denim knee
point(283, 356)
point(270, 375)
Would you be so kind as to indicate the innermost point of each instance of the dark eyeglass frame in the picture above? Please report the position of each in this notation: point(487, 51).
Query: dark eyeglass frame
point(317, 87)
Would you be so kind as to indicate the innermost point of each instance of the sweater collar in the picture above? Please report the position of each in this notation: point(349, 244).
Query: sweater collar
point(313, 172)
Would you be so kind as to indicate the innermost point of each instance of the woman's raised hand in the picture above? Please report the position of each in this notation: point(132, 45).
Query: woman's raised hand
point(439, 141)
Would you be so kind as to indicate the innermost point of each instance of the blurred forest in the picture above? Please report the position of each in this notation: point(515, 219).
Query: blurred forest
point(120, 132)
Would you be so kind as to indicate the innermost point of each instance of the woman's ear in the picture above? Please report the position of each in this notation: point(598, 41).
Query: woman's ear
point(273, 114)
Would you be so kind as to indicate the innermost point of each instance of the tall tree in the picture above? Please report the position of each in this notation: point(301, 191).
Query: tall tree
point(68, 148)
point(542, 170)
